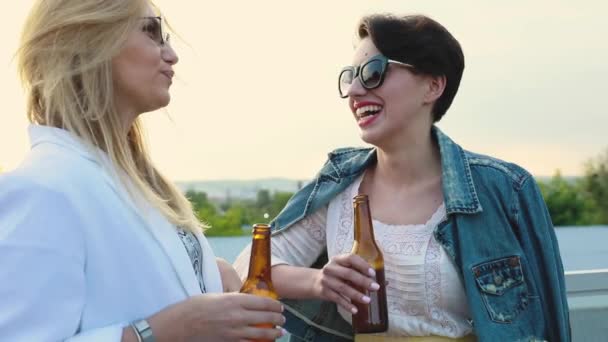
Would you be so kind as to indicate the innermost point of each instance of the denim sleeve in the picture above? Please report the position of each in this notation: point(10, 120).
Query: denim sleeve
point(539, 241)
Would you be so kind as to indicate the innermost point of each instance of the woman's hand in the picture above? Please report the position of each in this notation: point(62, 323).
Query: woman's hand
point(218, 317)
point(230, 279)
point(341, 278)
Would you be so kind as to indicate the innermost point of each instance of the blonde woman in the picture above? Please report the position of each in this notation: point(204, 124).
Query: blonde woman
point(95, 244)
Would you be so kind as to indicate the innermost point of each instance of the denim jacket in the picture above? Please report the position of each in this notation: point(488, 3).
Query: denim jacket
point(498, 233)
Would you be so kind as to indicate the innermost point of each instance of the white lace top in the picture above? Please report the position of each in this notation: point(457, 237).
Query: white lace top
point(425, 294)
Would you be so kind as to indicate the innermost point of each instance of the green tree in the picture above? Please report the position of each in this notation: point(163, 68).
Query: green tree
point(199, 200)
point(229, 217)
point(595, 186)
point(227, 224)
point(203, 208)
point(263, 199)
point(566, 202)
point(278, 202)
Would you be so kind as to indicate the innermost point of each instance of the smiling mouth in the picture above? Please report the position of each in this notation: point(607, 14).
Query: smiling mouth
point(367, 110)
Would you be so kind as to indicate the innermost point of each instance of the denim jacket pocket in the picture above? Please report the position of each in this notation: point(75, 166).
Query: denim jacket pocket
point(502, 287)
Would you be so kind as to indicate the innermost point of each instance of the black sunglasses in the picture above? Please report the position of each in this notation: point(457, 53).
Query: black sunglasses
point(371, 74)
point(154, 29)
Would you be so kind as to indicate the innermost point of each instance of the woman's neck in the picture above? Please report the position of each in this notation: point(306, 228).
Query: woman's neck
point(416, 160)
point(126, 112)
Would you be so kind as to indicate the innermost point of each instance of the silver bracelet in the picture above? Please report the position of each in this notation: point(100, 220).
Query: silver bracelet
point(136, 332)
point(143, 331)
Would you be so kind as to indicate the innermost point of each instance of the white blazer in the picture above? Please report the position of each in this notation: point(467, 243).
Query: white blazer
point(79, 260)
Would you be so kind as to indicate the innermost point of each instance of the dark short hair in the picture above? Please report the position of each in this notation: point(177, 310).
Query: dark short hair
point(422, 42)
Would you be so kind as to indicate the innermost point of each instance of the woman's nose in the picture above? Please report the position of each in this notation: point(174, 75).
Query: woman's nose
point(356, 88)
point(169, 55)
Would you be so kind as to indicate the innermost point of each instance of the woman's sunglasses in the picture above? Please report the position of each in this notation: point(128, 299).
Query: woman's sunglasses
point(154, 28)
point(371, 74)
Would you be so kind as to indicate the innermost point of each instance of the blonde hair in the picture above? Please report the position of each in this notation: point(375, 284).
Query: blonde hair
point(65, 64)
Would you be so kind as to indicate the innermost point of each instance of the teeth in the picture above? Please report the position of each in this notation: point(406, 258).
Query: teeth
point(361, 111)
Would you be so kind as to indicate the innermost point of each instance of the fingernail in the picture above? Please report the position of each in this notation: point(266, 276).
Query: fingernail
point(283, 332)
point(284, 320)
point(282, 308)
point(366, 299)
point(353, 310)
point(374, 286)
point(371, 272)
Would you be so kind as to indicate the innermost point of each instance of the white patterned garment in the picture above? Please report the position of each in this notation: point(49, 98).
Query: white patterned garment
point(195, 252)
point(425, 294)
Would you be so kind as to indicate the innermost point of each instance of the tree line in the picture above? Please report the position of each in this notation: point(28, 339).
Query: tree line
point(228, 217)
point(580, 201)
point(577, 201)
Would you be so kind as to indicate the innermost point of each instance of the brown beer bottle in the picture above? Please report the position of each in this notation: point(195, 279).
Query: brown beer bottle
point(372, 317)
point(259, 280)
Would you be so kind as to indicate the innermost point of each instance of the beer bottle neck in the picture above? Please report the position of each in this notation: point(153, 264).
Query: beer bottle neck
point(259, 263)
point(364, 234)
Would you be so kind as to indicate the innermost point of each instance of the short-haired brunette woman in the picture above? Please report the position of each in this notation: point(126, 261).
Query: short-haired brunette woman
point(469, 249)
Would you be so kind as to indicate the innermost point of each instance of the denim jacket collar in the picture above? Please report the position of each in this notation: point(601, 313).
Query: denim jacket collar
point(459, 191)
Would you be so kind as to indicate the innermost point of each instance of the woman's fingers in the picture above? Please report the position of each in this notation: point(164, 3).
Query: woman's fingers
point(340, 300)
point(257, 303)
point(255, 333)
point(259, 317)
point(355, 262)
point(350, 275)
point(345, 290)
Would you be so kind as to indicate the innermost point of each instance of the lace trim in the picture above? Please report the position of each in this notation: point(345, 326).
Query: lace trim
point(433, 286)
point(314, 229)
point(345, 224)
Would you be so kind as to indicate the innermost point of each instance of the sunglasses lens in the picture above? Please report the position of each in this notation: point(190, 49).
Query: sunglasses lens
point(158, 32)
point(154, 30)
point(346, 80)
point(371, 74)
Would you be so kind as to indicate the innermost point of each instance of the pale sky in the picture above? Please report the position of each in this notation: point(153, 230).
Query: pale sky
point(256, 90)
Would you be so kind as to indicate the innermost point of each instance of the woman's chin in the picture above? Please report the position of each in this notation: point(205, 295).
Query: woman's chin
point(370, 137)
point(164, 99)
point(377, 139)
point(159, 102)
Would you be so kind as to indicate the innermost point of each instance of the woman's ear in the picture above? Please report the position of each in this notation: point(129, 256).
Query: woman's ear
point(436, 86)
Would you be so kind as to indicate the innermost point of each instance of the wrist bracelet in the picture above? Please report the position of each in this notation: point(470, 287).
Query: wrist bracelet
point(143, 331)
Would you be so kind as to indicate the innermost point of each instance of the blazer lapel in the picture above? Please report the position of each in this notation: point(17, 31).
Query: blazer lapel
point(154, 222)
point(162, 230)
point(166, 236)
